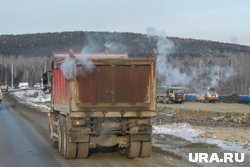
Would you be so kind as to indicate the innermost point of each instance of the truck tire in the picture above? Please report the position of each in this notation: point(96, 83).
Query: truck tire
point(69, 148)
point(146, 148)
point(83, 150)
point(54, 142)
point(133, 149)
point(60, 140)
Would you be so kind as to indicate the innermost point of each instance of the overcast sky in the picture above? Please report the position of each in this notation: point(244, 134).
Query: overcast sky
point(218, 20)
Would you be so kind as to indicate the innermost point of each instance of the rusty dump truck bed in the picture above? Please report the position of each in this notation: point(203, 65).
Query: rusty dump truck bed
point(114, 87)
point(107, 105)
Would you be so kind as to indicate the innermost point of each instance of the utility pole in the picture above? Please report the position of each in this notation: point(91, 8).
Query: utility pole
point(45, 67)
point(6, 75)
point(12, 73)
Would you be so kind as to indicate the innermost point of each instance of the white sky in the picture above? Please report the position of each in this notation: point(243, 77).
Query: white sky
point(218, 20)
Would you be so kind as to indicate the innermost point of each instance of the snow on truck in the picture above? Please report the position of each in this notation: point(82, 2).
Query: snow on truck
point(110, 105)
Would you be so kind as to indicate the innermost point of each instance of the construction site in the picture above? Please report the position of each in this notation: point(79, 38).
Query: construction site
point(93, 113)
point(124, 84)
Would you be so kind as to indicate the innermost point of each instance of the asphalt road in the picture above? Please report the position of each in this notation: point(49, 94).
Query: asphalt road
point(24, 142)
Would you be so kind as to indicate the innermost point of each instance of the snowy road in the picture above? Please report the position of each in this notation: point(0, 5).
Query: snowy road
point(24, 142)
point(19, 145)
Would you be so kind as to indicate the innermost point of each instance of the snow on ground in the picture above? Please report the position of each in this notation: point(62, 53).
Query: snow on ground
point(185, 131)
point(34, 98)
point(37, 98)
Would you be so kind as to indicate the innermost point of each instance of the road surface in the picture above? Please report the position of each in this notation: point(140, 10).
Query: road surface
point(24, 142)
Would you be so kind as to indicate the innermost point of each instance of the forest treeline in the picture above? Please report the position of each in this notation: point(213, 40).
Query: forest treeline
point(43, 44)
point(30, 54)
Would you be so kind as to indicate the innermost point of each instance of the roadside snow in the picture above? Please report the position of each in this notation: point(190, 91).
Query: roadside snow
point(185, 131)
point(34, 98)
point(33, 95)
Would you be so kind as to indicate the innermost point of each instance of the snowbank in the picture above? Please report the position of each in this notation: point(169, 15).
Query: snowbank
point(34, 98)
point(185, 131)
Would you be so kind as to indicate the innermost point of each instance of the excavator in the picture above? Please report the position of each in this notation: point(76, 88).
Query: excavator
point(211, 96)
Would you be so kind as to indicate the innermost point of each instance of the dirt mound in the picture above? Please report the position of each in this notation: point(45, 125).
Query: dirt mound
point(201, 117)
point(234, 98)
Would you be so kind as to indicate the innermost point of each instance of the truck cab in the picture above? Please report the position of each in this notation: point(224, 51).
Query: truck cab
point(170, 94)
point(176, 94)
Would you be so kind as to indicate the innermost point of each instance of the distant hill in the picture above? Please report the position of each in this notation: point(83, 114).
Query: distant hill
point(43, 44)
point(195, 64)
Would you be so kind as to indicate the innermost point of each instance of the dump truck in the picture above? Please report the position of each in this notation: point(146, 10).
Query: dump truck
point(172, 94)
point(108, 106)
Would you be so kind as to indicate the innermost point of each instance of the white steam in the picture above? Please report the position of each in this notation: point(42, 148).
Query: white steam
point(209, 76)
point(178, 78)
point(215, 78)
point(164, 48)
point(220, 73)
point(115, 47)
point(67, 67)
point(197, 79)
point(108, 45)
point(166, 73)
point(69, 62)
point(86, 62)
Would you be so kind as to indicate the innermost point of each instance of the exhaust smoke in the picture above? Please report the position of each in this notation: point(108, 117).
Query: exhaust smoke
point(195, 78)
point(166, 73)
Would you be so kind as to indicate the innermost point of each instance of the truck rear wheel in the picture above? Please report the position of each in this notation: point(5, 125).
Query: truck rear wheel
point(54, 142)
point(133, 149)
point(146, 148)
point(83, 150)
point(60, 140)
point(69, 148)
